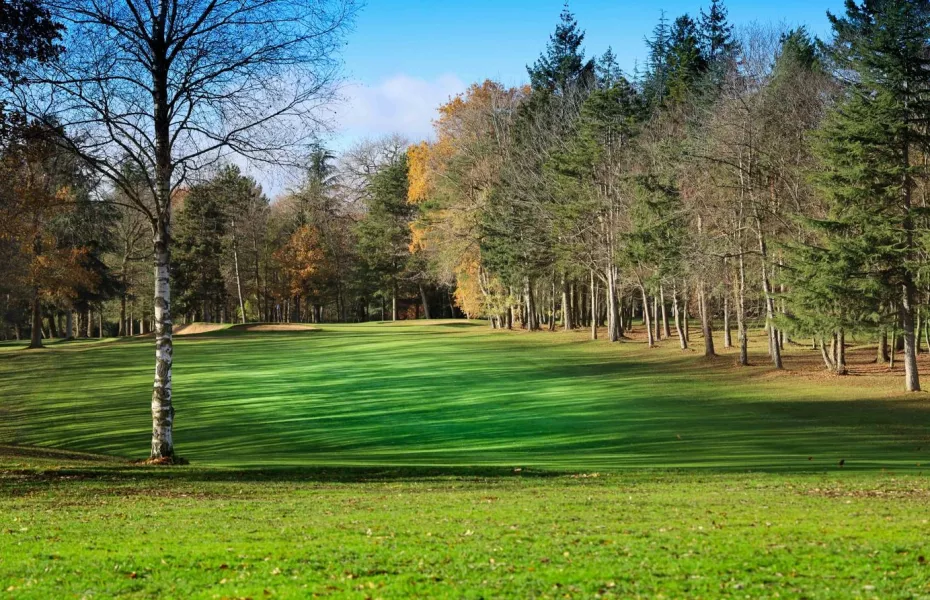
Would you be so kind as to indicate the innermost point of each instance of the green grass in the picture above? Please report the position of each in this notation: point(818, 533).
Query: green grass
point(381, 461)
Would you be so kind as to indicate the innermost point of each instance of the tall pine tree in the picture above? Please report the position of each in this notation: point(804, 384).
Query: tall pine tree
point(868, 148)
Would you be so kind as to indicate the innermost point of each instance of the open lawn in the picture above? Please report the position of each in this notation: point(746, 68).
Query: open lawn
point(449, 460)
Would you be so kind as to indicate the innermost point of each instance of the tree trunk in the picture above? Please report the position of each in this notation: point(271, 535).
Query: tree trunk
point(36, 334)
point(676, 309)
point(532, 324)
point(552, 306)
point(706, 324)
point(238, 283)
point(394, 313)
point(667, 332)
point(69, 324)
point(90, 323)
point(615, 331)
point(727, 336)
point(425, 302)
point(162, 407)
point(911, 376)
point(593, 306)
point(774, 346)
point(646, 322)
point(656, 325)
point(741, 313)
point(881, 356)
point(52, 328)
point(685, 315)
point(567, 323)
point(841, 353)
point(827, 359)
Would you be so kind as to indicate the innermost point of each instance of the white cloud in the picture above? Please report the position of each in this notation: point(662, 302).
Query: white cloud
point(399, 104)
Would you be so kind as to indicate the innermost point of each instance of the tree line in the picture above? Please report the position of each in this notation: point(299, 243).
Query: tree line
point(738, 178)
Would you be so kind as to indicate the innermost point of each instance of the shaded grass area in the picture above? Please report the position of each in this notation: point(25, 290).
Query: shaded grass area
point(448, 395)
point(76, 527)
point(445, 460)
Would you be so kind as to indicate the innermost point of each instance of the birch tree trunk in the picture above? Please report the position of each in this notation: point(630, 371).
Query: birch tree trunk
point(162, 407)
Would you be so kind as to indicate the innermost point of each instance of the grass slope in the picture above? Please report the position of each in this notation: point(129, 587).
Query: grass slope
point(453, 394)
point(378, 461)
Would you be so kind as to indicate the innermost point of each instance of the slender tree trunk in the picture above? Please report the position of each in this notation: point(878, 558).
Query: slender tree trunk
point(676, 309)
point(69, 324)
point(827, 359)
point(552, 306)
point(774, 346)
point(667, 332)
point(100, 324)
point(615, 332)
point(911, 375)
point(36, 334)
point(741, 312)
point(686, 327)
point(425, 302)
point(238, 284)
point(593, 306)
point(706, 323)
point(656, 315)
point(841, 353)
point(90, 321)
point(727, 336)
point(394, 313)
point(567, 323)
point(52, 329)
point(646, 322)
point(532, 323)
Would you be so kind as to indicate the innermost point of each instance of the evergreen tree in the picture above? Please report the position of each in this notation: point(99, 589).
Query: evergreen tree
point(716, 34)
point(868, 146)
point(607, 69)
point(655, 79)
point(384, 232)
point(686, 63)
point(563, 66)
point(201, 227)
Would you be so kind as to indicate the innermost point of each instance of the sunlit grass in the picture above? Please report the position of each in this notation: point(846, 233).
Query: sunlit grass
point(449, 461)
point(454, 394)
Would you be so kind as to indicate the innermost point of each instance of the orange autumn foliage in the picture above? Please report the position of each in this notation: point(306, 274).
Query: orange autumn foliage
point(304, 263)
point(450, 179)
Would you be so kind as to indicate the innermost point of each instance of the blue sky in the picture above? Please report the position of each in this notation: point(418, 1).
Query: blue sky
point(405, 57)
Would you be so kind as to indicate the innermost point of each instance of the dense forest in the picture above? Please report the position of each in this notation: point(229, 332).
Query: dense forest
point(757, 177)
